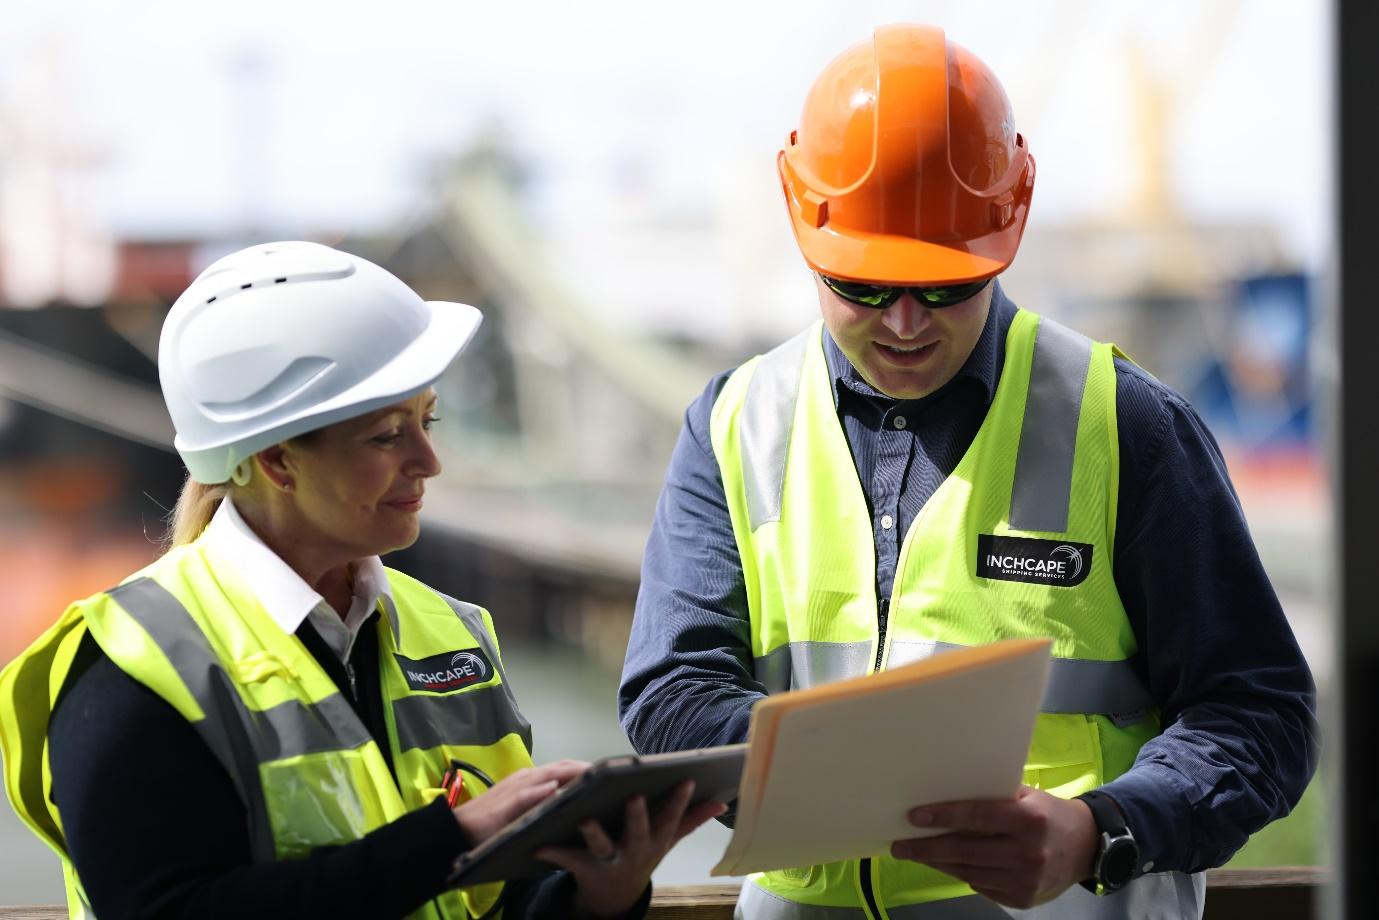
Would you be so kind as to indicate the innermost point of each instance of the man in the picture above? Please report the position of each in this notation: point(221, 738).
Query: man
point(880, 488)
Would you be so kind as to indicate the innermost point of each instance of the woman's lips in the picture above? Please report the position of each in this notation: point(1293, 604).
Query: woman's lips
point(406, 504)
point(908, 356)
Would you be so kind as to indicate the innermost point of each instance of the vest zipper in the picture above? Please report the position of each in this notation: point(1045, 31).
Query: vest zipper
point(881, 616)
point(349, 673)
point(864, 865)
point(871, 908)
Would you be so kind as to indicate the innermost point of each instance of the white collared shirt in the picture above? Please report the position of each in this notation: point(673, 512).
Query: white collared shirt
point(288, 599)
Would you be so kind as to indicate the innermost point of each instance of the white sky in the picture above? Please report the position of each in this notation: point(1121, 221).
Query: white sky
point(692, 100)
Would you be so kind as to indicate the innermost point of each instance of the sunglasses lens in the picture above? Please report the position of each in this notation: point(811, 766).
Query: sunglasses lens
point(866, 295)
point(881, 296)
point(947, 296)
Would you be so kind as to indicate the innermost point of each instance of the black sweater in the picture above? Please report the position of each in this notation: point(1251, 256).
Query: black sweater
point(155, 828)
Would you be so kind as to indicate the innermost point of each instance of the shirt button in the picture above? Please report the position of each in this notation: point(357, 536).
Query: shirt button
point(886, 522)
point(900, 422)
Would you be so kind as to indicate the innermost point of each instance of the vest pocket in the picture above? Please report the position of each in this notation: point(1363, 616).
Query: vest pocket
point(794, 878)
point(1064, 756)
point(319, 800)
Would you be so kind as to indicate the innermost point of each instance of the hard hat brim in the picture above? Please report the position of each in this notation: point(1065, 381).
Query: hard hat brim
point(451, 328)
point(879, 258)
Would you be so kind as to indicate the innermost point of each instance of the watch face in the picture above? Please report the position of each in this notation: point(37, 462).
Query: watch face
point(1118, 862)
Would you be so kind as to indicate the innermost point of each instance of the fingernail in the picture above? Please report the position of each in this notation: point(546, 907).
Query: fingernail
point(921, 818)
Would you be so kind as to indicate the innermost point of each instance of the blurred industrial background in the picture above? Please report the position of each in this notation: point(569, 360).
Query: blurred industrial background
point(599, 178)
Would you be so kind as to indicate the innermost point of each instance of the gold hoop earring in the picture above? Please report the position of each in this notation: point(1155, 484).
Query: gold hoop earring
point(243, 472)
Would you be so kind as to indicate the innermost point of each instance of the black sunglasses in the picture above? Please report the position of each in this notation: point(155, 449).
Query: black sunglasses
point(881, 296)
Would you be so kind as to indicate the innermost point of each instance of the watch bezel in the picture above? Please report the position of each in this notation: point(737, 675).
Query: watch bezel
point(1113, 839)
point(1112, 848)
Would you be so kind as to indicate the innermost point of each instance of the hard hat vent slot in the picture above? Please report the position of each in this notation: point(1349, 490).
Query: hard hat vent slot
point(279, 280)
point(210, 300)
point(246, 286)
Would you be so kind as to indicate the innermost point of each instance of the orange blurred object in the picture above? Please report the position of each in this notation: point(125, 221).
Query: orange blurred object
point(906, 167)
point(59, 541)
point(45, 568)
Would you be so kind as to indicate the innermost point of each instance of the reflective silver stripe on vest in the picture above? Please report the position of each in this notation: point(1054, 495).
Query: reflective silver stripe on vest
point(1159, 896)
point(1048, 434)
point(768, 415)
point(1076, 685)
point(804, 664)
point(228, 729)
point(508, 718)
point(1081, 685)
point(476, 717)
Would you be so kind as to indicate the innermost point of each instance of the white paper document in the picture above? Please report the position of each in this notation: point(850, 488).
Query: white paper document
point(833, 770)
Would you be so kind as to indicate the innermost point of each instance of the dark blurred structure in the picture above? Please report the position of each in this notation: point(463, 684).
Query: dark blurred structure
point(1354, 807)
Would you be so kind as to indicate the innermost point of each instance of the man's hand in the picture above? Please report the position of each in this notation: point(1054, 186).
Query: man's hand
point(1019, 853)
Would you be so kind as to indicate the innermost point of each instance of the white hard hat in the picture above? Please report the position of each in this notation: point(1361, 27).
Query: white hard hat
point(276, 340)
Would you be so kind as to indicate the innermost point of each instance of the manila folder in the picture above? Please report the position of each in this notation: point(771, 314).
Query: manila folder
point(832, 770)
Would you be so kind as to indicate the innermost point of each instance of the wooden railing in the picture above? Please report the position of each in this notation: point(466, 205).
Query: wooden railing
point(1232, 894)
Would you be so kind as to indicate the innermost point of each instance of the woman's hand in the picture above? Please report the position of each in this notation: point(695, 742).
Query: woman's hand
point(610, 878)
point(483, 815)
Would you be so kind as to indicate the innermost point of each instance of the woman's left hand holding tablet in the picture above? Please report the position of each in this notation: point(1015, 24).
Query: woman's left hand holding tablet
point(610, 877)
point(484, 815)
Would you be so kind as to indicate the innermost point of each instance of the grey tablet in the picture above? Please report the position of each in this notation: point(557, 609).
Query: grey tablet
point(600, 793)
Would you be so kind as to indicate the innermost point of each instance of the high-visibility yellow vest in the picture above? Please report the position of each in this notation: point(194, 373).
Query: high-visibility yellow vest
point(1017, 542)
point(304, 765)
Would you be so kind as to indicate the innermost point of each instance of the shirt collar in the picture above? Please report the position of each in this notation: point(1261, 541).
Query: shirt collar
point(287, 598)
point(982, 366)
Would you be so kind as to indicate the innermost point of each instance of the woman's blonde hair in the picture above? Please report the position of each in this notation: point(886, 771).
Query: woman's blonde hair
point(195, 507)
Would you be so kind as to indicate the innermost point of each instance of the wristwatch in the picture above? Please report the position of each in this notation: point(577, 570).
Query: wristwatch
point(1117, 854)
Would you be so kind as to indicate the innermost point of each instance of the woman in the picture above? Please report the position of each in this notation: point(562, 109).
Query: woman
point(266, 721)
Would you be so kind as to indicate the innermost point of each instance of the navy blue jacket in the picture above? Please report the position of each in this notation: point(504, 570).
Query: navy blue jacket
point(1237, 701)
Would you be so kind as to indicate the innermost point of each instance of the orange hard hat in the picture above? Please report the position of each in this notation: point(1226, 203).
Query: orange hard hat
point(906, 167)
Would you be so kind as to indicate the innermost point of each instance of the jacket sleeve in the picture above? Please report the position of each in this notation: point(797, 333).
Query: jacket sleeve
point(1237, 702)
point(688, 680)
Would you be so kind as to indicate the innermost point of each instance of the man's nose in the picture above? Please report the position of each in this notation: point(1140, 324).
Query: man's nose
point(906, 318)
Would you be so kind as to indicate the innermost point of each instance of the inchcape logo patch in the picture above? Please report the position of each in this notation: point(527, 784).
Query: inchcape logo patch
point(1039, 562)
point(447, 671)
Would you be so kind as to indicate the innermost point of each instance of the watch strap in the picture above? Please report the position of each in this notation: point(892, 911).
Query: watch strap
point(1111, 825)
point(1105, 812)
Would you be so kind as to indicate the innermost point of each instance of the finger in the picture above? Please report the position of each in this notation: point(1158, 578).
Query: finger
point(988, 816)
point(636, 829)
point(697, 816)
point(597, 841)
point(576, 862)
point(996, 880)
point(670, 814)
point(958, 849)
point(562, 771)
point(531, 796)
